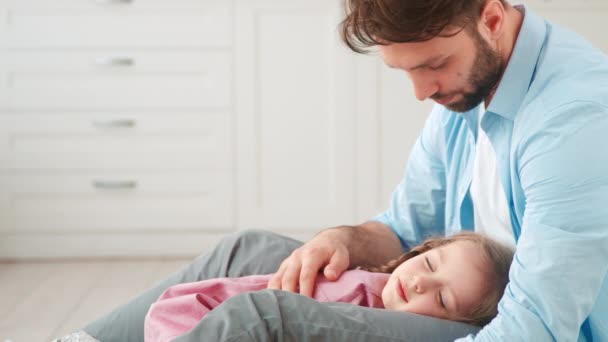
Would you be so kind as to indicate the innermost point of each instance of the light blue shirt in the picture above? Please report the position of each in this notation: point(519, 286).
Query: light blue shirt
point(548, 124)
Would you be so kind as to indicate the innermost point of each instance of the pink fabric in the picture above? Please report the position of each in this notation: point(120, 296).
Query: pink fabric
point(182, 306)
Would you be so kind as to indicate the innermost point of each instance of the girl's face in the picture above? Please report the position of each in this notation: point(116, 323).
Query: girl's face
point(445, 282)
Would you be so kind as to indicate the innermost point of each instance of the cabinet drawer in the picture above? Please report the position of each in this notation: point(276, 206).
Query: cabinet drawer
point(103, 78)
point(115, 141)
point(115, 201)
point(43, 23)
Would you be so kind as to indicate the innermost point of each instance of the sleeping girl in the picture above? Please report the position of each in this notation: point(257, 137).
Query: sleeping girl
point(460, 278)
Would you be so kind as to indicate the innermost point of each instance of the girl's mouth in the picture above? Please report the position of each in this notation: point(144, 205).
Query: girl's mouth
point(401, 291)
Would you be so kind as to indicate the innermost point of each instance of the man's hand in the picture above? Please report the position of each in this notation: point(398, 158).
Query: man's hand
point(335, 250)
point(327, 251)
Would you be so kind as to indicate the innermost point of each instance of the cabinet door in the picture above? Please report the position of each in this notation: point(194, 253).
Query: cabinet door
point(295, 116)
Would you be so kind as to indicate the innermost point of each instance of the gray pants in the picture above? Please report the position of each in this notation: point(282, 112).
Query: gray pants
point(271, 315)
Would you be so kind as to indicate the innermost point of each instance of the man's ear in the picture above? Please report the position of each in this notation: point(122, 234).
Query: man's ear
point(492, 20)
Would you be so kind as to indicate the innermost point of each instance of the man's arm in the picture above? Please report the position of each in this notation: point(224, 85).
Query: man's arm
point(561, 263)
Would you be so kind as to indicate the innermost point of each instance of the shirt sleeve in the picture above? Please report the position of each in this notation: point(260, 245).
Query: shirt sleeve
point(560, 261)
point(419, 199)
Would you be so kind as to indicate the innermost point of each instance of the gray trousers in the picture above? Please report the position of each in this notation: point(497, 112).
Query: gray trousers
point(271, 315)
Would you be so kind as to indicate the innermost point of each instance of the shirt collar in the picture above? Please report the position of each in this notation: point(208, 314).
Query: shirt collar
point(518, 74)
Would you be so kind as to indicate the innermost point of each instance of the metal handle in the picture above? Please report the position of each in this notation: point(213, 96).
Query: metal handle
point(122, 123)
point(114, 185)
point(112, 2)
point(116, 61)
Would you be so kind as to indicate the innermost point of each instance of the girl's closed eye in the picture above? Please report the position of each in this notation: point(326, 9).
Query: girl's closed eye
point(440, 299)
point(439, 295)
point(428, 263)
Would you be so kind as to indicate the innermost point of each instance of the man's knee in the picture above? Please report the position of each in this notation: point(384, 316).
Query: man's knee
point(252, 251)
point(253, 308)
point(244, 317)
point(267, 304)
point(254, 235)
point(249, 238)
point(259, 241)
point(251, 302)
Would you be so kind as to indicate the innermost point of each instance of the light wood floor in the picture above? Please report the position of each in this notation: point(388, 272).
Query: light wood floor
point(40, 301)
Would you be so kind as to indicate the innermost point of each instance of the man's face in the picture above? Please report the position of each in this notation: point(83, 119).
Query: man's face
point(458, 72)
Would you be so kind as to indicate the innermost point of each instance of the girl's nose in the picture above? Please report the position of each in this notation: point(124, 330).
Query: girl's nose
point(422, 283)
point(416, 284)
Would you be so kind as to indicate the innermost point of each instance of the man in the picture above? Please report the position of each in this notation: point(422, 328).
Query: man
point(529, 170)
point(531, 159)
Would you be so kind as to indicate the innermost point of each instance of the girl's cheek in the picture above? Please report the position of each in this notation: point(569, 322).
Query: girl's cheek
point(424, 306)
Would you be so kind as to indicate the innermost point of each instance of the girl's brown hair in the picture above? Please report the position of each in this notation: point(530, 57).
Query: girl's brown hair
point(379, 22)
point(497, 257)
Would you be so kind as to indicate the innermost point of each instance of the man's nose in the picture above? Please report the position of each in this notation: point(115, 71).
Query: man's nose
point(424, 88)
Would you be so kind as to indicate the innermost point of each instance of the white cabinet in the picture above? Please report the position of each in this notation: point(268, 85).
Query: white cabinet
point(116, 126)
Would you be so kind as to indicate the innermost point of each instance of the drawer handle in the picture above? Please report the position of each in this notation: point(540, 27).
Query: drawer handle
point(105, 124)
point(114, 185)
point(115, 61)
point(111, 2)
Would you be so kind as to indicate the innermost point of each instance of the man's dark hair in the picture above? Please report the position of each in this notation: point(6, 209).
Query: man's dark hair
point(379, 22)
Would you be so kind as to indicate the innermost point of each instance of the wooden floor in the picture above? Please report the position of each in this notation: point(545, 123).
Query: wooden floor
point(40, 301)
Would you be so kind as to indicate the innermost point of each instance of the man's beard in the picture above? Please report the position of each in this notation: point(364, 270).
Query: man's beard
point(484, 76)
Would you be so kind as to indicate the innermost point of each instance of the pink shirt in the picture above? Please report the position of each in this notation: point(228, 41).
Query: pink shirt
point(182, 306)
